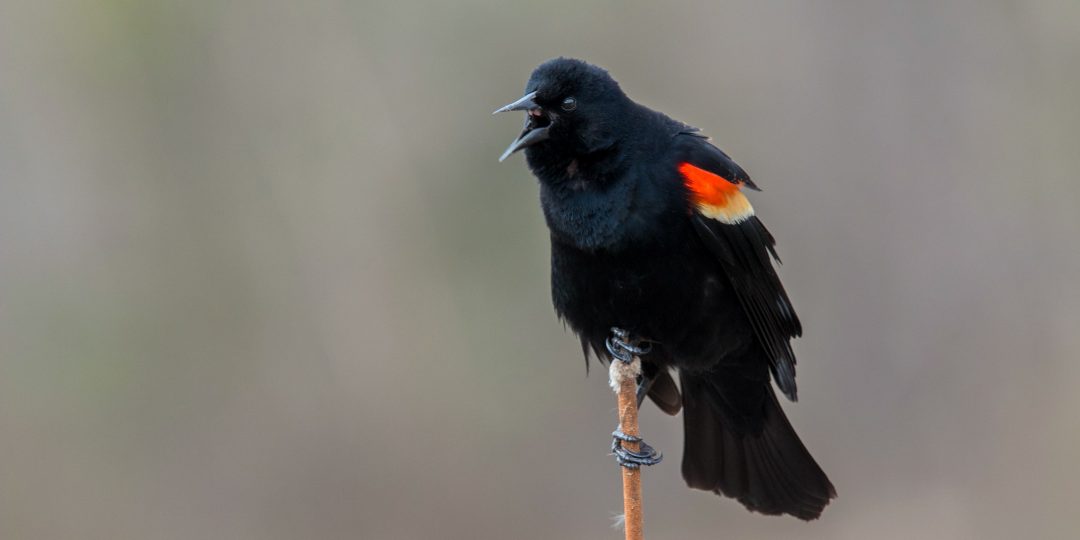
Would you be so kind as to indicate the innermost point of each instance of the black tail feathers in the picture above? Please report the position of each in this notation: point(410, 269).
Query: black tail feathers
point(759, 461)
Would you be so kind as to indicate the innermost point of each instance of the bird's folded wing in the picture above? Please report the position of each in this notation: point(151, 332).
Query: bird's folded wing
point(725, 221)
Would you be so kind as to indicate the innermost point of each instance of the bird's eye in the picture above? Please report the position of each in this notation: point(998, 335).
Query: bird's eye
point(569, 104)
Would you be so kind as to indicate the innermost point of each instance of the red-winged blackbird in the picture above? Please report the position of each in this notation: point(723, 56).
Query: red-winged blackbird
point(653, 239)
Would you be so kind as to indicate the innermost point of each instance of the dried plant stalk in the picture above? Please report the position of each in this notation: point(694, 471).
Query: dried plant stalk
point(623, 379)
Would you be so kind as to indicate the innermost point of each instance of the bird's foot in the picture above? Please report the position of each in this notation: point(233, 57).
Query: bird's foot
point(623, 348)
point(633, 459)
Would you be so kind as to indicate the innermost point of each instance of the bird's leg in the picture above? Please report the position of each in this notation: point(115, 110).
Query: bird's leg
point(645, 455)
point(644, 384)
point(623, 348)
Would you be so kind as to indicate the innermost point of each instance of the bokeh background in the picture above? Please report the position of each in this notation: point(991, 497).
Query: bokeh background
point(261, 276)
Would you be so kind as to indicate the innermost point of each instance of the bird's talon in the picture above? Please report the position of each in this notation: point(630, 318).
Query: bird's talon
point(633, 459)
point(623, 348)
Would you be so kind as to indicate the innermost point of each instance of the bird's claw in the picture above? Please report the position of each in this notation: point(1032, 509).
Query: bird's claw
point(633, 459)
point(623, 348)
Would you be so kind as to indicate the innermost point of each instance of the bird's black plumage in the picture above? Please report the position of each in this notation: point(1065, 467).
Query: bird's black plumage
point(650, 233)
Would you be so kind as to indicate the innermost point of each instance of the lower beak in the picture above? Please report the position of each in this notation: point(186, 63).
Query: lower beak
point(529, 137)
point(532, 133)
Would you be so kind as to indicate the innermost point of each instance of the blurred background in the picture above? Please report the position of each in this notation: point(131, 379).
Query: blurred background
point(262, 277)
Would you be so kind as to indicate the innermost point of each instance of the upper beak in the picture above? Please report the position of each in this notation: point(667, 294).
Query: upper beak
point(523, 104)
point(532, 134)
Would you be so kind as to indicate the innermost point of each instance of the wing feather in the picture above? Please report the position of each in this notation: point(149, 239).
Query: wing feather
point(746, 251)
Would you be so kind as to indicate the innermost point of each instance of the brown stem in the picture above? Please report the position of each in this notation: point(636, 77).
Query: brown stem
point(624, 381)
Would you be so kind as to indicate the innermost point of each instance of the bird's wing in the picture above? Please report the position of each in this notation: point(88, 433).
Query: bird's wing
point(725, 221)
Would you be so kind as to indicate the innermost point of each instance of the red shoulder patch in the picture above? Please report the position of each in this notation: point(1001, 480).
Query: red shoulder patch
point(714, 196)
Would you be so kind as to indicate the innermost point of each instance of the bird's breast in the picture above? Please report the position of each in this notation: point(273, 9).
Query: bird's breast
point(588, 217)
point(671, 292)
point(639, 288)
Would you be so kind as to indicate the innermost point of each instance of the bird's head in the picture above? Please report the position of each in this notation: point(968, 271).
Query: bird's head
point(572, 109)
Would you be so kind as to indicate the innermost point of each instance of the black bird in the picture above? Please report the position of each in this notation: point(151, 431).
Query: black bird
point(655, 250)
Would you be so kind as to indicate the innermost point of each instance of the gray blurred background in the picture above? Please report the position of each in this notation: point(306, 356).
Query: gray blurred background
point(261, 276)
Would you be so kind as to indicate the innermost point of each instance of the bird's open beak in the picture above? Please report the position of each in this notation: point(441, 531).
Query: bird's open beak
point(536, 124)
